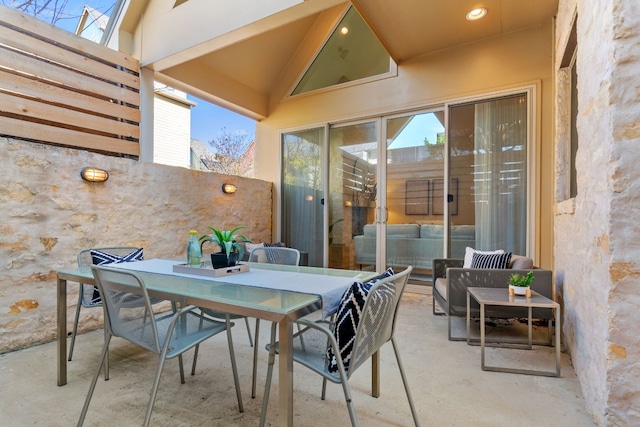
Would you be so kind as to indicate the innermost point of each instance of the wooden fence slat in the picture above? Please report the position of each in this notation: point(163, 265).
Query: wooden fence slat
point(53, 113)
point(23, 42)
point(9, 16)
point(53, 94)
point(67, 137)
point(58, 88)
point(13, 60)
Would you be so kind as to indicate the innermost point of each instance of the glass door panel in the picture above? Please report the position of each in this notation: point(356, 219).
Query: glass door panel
point(302, 212)
point(488, 161)
point(415, 172)
point(352, 195)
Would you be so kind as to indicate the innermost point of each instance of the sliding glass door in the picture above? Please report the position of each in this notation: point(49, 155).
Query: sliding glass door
point(488, 145)
point(399, 190)
point(302, 214)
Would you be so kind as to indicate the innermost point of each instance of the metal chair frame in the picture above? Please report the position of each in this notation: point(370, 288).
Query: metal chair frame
point(376, 327)
point(167, 334)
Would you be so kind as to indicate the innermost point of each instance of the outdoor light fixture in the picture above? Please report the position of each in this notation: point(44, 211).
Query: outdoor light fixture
point(229, 188)
point(476, 14)
point(309, 198)
point(94, 174)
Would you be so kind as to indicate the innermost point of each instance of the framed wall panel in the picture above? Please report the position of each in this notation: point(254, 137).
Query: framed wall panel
point(417, 197)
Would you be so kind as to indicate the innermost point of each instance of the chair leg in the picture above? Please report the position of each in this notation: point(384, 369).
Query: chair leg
point(195, 360)
point(75, 323)
point(106, 359)
point(154, 388)
point(246, 321)
point(267, 385)
point(94, 380)
point(182, 381)
point(232, 354)
point(406, 384)
point(255, 360)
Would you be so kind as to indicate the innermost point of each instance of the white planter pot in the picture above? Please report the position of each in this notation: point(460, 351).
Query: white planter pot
point(519, 290)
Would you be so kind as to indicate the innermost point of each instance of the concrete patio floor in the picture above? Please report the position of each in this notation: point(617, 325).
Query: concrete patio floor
point(448, 386)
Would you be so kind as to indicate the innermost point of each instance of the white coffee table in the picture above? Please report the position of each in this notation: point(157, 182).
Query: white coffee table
point(501, 297)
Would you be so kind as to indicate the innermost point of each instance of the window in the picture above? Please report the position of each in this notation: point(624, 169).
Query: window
point(352, 52)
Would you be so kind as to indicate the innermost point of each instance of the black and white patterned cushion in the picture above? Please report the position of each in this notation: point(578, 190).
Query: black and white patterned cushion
point(104, 258)
point(348, 319)
point(491, 261)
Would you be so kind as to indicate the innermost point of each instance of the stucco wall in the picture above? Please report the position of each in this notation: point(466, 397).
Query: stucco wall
point(48, 214)
point(513, 60)
point(596, 249)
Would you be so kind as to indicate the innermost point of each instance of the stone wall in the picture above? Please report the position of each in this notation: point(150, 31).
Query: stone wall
point(597, 244)
point(48, 214)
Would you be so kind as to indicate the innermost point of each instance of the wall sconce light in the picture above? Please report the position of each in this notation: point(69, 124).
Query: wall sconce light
point(476, 14)
point(348, 203)
point(229, 188)
point(309, 198)
point(94, 174)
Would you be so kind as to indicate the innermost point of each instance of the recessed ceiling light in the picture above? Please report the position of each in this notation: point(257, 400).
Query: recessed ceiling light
point(476, 14)
point(344, 30)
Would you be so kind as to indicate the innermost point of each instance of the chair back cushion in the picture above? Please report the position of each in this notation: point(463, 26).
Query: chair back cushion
point(100, 257)
point(468, 255)
point(348, 319)
point(491, 260)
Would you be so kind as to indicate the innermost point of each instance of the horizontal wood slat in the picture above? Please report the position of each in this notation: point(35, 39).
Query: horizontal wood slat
point(71, 60)
point(56, 95)
point(49, 134)
point(53, 113)
point(59, 88)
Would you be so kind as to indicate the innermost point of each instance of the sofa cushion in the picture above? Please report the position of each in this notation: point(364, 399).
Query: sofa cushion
point(441, 287)
point(491, 260)
point(519, 262)
point(395, 230)
point(468, 255)
point(348, 319)
point(457, 232)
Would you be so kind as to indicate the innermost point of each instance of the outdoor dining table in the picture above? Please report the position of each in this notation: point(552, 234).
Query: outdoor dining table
point(277, 293)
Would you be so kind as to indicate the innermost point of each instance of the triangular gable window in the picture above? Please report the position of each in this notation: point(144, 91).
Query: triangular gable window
point(351, 53)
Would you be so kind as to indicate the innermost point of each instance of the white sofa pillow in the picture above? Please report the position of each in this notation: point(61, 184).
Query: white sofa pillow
point(468, 255)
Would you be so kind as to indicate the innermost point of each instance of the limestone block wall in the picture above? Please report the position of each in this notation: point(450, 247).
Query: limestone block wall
point(597, 243)
point(48, 214)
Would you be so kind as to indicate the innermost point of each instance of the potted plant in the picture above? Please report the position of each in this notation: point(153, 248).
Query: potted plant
point(231, 249)
point(520, 284)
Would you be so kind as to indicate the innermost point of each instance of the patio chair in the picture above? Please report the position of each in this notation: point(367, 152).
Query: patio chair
point(376, 326)
point(166, 334)
point(89, 296)
point(270, 255)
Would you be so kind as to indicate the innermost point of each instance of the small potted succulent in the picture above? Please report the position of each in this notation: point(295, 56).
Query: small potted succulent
point(520, 284)
point(231, 249)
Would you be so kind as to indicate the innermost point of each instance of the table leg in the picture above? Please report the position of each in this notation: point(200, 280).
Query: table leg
point(530, 326)
point(482, 335)
point(62, 331)
point(285, 367)
point(375, 374)
point(468, 318)
point(558, 331)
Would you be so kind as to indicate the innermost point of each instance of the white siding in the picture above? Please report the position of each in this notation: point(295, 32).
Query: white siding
point(172, 132)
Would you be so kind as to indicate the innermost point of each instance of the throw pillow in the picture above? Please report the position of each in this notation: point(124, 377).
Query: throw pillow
point(348, 319)
point(274, 245)
point(491, 261)
point(104, 258)
point(468, 255)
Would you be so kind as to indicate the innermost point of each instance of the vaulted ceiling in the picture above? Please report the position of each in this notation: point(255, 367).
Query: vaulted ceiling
point(250, 68)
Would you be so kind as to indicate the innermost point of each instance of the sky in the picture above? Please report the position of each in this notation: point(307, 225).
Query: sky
point(207, 119)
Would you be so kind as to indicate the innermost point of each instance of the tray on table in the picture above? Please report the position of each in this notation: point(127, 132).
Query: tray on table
point(207, 270)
